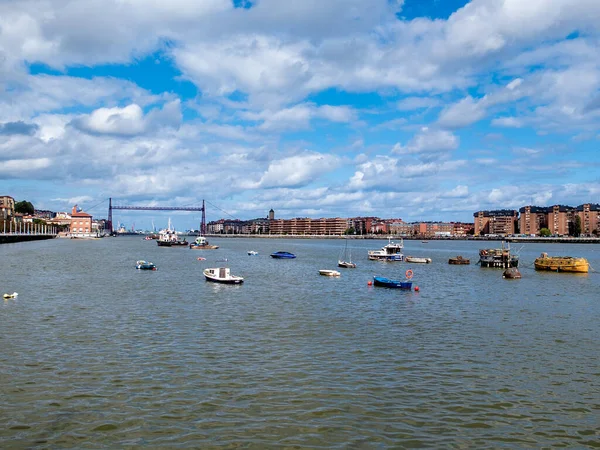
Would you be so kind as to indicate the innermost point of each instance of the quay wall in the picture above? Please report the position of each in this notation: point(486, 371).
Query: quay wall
point(14, 238)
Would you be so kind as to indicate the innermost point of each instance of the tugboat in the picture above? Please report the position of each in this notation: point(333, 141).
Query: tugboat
point(498, 257)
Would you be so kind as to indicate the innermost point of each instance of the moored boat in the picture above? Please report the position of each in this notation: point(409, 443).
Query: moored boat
point(222, 275)
point(169, 238)
point(283, 255)
point(345, 259)
point(561, 264)
point(498, 257)
point(145, 265)
point(392, 251)
point(201, 243)
point(329, 273)
point(252, 253)
point(386, 282)
point(417, 259)
point(459, 260)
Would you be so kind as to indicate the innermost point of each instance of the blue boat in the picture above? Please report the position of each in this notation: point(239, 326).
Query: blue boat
point(283, 255)
point(386, 282)
point(144, 265)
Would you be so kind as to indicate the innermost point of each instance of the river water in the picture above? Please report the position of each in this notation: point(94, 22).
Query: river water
point(96, 354)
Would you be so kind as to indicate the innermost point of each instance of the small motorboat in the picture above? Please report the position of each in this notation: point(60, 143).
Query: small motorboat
point(145, 265)
point(346, 264)
point(329, 273)
point(283, 255)
point(459, 260)
point(392, 251)
point(386, 282)
point(201, 243)
point(13, 295)
point(417, 259)
point(222, 275)
point(252, 253)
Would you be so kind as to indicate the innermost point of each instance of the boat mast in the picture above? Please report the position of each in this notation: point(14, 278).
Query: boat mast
point(203, 222)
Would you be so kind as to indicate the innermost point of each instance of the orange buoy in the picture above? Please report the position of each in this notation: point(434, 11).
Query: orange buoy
point(416, 288)
point(409, 274)
point(369, 283)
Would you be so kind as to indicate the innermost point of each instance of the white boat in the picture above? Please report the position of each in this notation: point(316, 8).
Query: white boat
point(329, 273)
point(392, 251)
point(252, 253)
point(345, 259)
point(417, 259)
point(168, 237)
point(222, 275)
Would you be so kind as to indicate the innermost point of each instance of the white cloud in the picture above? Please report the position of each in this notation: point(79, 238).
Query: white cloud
point(429, 144)
point(130, 120)
point(296, 171)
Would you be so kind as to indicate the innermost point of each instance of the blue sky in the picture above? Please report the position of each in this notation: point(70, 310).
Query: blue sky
point(420, 110)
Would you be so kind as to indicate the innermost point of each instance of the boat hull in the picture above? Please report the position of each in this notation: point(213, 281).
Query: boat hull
point(459, 260)
point(414, 259)
point(346, 264)
point(203, 247)
point(282, 255)
point(396, 284)
point(376, 257)
point(221, 275)
point(562, 264)
point(329, 273)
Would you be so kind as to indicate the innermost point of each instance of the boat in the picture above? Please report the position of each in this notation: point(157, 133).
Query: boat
point(145, 265)
point(425, 242)
point(345, 259)
point(329, 273)
point(417, 259)
point(200, 258)
point(222, 275)
point(392, 251)
point(386, 282)
point(13, 295)
point(283, 255)
point(169, 238)
point(252, 253)
point(459, 260)
point(498, 257)
point(561, 264)
point(201, 243)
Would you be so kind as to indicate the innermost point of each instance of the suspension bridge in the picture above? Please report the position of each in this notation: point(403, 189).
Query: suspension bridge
point(112, 207)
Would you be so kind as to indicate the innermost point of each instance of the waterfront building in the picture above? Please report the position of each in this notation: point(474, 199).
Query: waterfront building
point(500, 222)
point(308, 226)
point(81, 223)
point(7, 207)
point(560, 219)
point(532, 219)
point(589, 213)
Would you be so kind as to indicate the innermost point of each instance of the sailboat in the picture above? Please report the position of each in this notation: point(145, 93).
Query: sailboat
point(345, 259)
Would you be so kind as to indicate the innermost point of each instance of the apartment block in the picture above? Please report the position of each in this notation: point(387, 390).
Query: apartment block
point(532, 219)
point(589, 213)
point(500, 222)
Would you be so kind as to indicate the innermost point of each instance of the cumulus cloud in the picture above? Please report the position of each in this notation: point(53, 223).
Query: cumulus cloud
point(429, 144)
point(296, 171)
point(130, 120)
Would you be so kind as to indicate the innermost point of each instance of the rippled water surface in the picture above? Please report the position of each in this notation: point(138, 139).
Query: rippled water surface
point(95, 354)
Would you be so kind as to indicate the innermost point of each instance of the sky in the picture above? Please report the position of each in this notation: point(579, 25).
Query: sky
point(424, 110)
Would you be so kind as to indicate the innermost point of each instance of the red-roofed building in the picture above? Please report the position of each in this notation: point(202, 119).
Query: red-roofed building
point(81, 223)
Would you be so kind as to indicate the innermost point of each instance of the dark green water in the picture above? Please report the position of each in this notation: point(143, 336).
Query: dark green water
point(94, 354)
